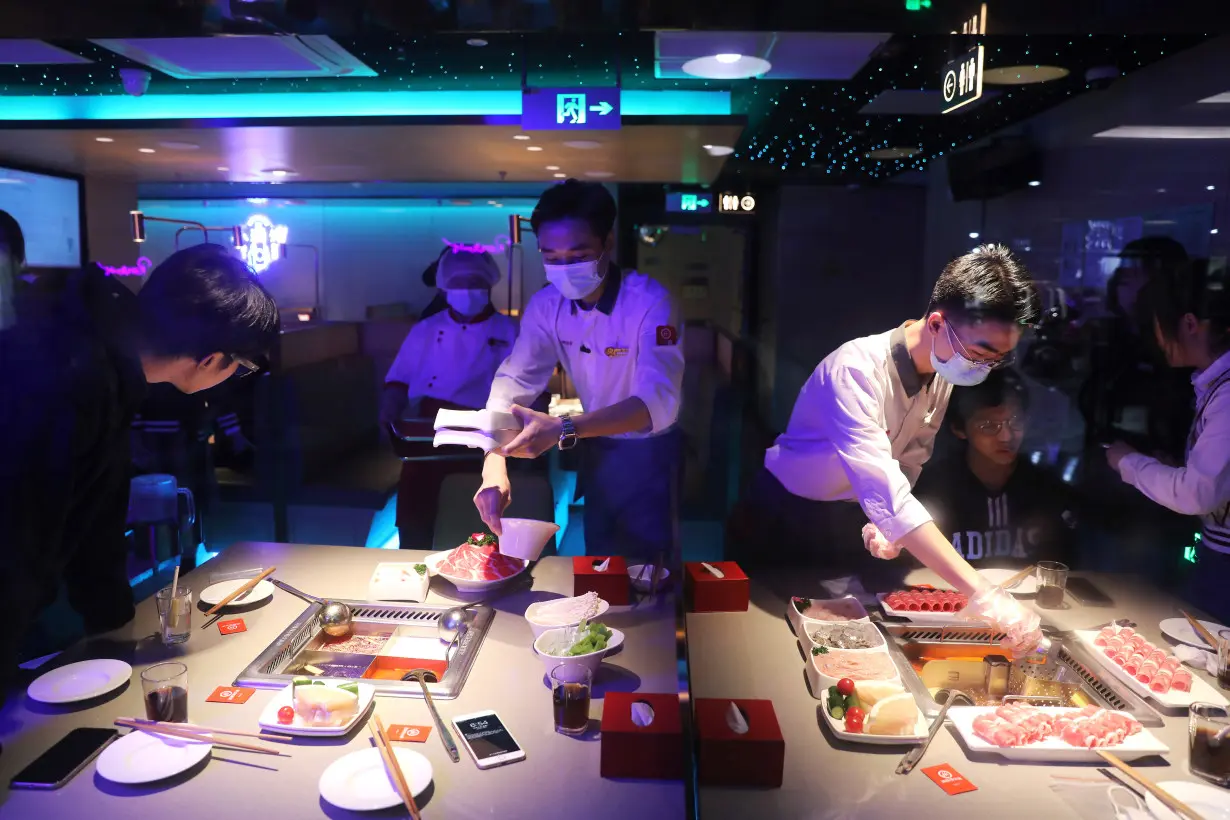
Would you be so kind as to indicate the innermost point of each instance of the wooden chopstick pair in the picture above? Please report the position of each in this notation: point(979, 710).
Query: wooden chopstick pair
point(1170, 801)
point(176, 730)
point(243, 590)
point(390, 762)
point(1205, 634)
point(1013, 580)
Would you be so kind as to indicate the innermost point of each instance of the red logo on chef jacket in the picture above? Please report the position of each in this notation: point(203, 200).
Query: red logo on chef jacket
point(667, 335)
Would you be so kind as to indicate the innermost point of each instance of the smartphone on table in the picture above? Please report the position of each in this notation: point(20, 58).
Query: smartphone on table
point(488, 740)
point(63, 761)
point(1084, 591)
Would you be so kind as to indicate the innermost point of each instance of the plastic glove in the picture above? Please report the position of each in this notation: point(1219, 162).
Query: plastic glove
point(877, 544)
point(1022, 627)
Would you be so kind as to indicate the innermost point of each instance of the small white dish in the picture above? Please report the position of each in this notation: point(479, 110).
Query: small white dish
point(1026, 586)
point(399, 581)
point(360, 782)
point(79, 681)
point(643, 581)
point(214, 594)
point(838, 728)
point(539, 628)
point(1180, 630)
point(269, 715)
point(434, 560)
point(146, 757)
point(526, 538)
point(592, 661)
point(1209, 802)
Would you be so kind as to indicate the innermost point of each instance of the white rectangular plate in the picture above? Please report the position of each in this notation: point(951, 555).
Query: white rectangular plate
point(799, 623)
point(1174, 699)
point(1053, 749)
point(820, 683)
point(838, 728)
point(269, 715)
point(928, 618)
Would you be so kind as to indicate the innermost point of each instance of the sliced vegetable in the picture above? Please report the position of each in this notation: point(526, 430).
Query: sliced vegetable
point(421, 569)
point(353, 688)
point(852, 702)
point(300, 682)
point(819, 650)
point(837, 711)
point(845, 686)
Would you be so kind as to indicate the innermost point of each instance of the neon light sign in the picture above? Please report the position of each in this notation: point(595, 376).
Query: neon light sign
point(501, 243)
point(140, 269)
point(262, 242)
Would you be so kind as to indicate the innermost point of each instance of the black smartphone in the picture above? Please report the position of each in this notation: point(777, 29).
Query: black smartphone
point(1083, 590)
point(61, 762)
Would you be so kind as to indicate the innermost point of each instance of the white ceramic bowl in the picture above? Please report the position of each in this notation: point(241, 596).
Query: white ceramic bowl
point(646, 583)
point(525, 538)
point(540, 628)
point(591, 661)
point(434, 559)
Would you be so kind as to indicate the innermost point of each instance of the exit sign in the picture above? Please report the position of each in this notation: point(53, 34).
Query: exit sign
point(736, 204)
point(917, 5)
point(700, 202)
point(570, 109)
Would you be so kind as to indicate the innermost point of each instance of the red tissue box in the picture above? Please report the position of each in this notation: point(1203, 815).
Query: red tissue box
point(708, 593)
point(655, 751)
point(612, 586)
point(725, 758)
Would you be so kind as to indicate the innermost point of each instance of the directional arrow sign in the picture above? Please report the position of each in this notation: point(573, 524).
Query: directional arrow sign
point(603, 108)
point(570, 109)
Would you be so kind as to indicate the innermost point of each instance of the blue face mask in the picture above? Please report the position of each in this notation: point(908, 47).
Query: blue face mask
point(467, 303)
point(959, 370)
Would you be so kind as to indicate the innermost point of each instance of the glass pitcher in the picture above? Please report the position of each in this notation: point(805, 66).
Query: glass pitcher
point(154, 499)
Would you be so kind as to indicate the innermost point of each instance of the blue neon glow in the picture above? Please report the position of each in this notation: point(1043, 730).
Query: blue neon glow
point(262, 242)
point(336, 104)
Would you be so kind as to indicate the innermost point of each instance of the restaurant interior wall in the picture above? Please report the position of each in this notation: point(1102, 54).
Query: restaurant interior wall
point(108, 200)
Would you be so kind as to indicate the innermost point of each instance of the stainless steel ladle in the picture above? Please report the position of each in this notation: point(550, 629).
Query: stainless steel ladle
point(335, 617)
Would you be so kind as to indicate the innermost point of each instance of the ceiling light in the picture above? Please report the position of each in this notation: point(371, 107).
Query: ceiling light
point(1210, 187)
point(179, 146)
point(1223, 97)
point(727, 67)
point(278, 172)
point(258, 200)
point(477, 42)
point(583, 145)
point(552, 167)
point(718, 150)
point(599, 174)
point(533, 147)
point(1023, 74)
point(103, 139)
point(492, 202)
point(1161, 190)
point(1167, 132)
point(559, 176)
point(521, 136)
point(1214, 231)
point(896, 152)
point(146, 150)
point(460, 202)
point(223, 168)
point(1034, 183)
point(973, 234)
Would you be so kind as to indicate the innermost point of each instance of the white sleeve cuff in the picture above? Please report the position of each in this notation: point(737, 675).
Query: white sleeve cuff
point(1131, 465)
point(895, 526)
point(662, 413)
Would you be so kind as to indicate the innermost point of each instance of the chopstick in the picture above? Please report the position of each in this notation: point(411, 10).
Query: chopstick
point(390, 763)
point(1205, 634)
point(245, 588)
point(174, 610)
point(657, 571)
point(1018, 578)
point(1170, 801)
point(164, 729)
point(193, 727)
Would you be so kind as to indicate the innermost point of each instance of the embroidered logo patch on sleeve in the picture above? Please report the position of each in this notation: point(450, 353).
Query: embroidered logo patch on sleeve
point(667, 335)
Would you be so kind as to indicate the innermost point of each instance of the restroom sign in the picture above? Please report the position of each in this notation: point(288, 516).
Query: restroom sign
point(962, 80)
point(736, 204)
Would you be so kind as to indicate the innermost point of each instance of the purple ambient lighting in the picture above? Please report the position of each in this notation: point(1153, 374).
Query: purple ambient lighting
point(140, 269)
point(501, 243)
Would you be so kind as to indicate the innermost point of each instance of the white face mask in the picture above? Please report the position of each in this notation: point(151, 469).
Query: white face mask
point(467, 302)
point(578, 280)
point(959, 370)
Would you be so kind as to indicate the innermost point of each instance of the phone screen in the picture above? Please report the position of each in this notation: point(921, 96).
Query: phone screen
point(63, 760)
point(486, 736)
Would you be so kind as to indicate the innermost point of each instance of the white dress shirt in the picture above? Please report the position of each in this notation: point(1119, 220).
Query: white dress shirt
point(452, 361)
point(862, 428)
point(1201, 486)
point(629, 344)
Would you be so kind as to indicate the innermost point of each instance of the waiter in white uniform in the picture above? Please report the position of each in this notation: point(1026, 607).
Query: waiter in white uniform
point(618, 336)
point(865, 423)
point(447, 361)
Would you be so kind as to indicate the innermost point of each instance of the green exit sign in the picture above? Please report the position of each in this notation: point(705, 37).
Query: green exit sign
point(917, 5)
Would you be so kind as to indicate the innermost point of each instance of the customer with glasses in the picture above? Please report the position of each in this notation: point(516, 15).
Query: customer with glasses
point(998, 509)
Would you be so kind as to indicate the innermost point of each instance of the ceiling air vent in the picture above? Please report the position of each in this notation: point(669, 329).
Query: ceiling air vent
point(241, 57)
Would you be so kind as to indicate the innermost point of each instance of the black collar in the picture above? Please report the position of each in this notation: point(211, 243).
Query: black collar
point(910, 378)
point(606, 303)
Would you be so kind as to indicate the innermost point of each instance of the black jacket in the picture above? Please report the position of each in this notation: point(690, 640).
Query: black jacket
point(71, 382)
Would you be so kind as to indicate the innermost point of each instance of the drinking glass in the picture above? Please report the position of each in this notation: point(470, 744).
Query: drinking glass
point(1052, 579)
point(174, 614)
point(570, 692)
point(1223, 658)
point(165, 686)
point(1209, 742)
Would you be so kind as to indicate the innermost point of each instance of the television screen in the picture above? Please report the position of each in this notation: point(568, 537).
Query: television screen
point(48, 209)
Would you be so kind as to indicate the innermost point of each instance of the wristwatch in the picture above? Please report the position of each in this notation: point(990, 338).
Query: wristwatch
point(568, 435)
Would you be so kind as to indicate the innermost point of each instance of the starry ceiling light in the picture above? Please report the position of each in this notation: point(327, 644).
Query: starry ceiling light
point(727, 66)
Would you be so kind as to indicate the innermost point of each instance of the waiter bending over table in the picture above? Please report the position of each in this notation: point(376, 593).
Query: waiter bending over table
point(617, 335)
point(865, 423)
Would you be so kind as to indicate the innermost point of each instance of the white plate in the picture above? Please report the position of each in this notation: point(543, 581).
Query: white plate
point(928, 618)
point(360, 782)
point(1026, 586)
point(1180, 630)
point(1053, 749)
point(215, 593)
point(838, 728)
point(145, 757)
point(269, 715)
point(1174, 699)
point(79, 681)
point(820, 682)
point(800, 623)
point(538, 628)
point(434, 560)
point(1209, 802)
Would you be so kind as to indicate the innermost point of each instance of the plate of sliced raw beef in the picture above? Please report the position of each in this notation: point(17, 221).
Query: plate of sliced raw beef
point(474, 567)
point(1018, 731)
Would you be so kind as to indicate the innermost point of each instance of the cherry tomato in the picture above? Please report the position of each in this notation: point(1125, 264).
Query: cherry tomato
point(845, 686)
point(854, 721)
point(286, 715)
point(856, 712)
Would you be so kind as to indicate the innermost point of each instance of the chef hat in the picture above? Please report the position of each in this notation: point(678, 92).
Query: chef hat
point(458, 264)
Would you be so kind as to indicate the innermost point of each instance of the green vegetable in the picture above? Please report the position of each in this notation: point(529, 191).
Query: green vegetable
point(820, 650)
point(590, 638)
point(851, 702)
point(838, 712)
point(801, 604)
point(319, 683)
point(421, 569)
point(353, 688)
point(301, 682)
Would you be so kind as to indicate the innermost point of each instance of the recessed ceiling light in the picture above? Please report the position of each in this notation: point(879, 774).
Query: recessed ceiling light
point(973, 234)
point(583, 145)
point(559, 176)
point(1034, 183)
point(552, 167)
point(1210, 187)
point(1214, 231)
point(1023, 74)
point(1167, 132)
point(896, 152)
point(499, 204)
point(258, 200)
point(1161, 190)
point(599, 174)
point(719, 150)
point(460, 202)
point(172, 145)
point(103, 139)
point(223, 168)
point(727, 67)
point(533, 147)
point(278, 172)
point(492, 202)
point(146, 150)
point(521, 136)
point(477, 42)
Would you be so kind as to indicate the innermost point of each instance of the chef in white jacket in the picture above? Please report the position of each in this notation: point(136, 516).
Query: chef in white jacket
point(618, 336)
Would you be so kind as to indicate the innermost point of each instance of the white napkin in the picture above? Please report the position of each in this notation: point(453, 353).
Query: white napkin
point(735, 719)
point(604, 566)
point(1198, 658)
point(849, 585)
point(642, 713)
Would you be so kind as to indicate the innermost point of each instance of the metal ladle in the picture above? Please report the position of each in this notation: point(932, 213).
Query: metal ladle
point(335, 617)
point(457, 620)
point(424, 676)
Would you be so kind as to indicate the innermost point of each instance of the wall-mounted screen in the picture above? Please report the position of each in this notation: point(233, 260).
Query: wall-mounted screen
point(48, 209)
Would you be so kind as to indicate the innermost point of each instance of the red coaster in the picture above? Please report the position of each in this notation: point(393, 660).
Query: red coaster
point(949, 779)
point(232, 627)
point(230, 694)
point(409, 734)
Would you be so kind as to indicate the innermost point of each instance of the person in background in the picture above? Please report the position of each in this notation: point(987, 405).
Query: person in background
point(75, 372)
point(439, 302)
point(865, 423)
point(617, 334)
point(1001, 510)
point(1190, 315)
point(12, 260)
point(448, 360)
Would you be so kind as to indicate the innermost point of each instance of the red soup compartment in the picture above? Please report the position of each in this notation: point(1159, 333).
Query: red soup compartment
point(726, 758)
point(705, 592)
point(612, 584)
point(652, 752)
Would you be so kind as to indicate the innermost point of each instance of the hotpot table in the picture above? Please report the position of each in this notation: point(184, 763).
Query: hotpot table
point(753, 655)
point(559, 775)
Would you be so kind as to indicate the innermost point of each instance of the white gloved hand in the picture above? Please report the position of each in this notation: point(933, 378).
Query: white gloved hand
point(1022, 627)
point(877, 544)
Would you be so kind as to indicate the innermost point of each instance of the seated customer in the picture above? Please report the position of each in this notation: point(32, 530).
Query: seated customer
point(999, 509)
